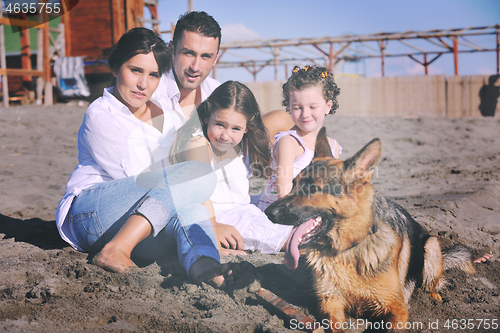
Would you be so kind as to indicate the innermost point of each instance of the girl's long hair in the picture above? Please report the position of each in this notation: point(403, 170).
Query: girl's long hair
point(255, 143)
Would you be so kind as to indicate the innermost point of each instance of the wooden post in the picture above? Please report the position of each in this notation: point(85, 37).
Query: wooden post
point(425, 63)
point(455, 53)
point(276, 54)
point(382, 56)
point(3, 65)
point(331, 58)
point(26, 53)
point(498, 52)
point(46, 62)
point(118, 18)
point(65, 20)
point(40, 81)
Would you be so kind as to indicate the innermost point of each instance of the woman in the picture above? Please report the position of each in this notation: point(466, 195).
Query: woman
point(123, 199)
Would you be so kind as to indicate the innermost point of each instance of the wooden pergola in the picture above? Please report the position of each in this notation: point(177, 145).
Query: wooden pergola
point(423, 47)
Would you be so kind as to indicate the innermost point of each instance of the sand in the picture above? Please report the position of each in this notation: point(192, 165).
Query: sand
point(444, 172)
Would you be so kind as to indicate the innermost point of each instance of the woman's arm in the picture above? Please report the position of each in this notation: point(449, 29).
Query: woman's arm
point(102, 140)
point(286, 151)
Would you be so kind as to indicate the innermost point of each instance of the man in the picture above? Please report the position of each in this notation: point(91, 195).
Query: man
point(195, 48)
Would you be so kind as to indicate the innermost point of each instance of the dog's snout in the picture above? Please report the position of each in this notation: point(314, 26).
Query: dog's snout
point(279, 212)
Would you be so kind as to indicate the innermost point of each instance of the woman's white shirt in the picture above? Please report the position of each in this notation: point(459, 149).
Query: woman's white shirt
point(114, 144)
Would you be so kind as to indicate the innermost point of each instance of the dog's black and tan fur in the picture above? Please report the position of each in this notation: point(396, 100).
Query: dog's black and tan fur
point(367, 253)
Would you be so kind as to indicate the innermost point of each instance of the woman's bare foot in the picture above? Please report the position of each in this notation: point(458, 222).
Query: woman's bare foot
point(115, 255)
point(211, 272)
point(114, 260)
point(484, 258)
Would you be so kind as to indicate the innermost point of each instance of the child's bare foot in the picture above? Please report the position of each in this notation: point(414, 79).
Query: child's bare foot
point(114, 260)
point(211, 272)
point(484, 258)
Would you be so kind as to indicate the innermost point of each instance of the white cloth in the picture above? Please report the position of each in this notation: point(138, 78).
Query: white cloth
point(70, 77)
point(168, 92)
point(270, 195)
point(232, 206)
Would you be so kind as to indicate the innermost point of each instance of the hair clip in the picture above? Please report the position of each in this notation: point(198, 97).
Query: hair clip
point(324, 74)
point(296, 70)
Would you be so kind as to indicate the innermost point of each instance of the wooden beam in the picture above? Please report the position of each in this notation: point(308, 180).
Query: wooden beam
point(20, 23)
point(20, 71)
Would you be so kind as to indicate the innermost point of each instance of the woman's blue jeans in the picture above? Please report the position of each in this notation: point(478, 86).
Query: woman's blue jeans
point(170, 199)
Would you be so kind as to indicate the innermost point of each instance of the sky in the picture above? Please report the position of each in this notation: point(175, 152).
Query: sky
point(270, 19)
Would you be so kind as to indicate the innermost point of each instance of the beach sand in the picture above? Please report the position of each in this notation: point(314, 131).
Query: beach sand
point(445, 172)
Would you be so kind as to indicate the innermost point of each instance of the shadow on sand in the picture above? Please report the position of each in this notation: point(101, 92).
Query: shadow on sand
point(35, 231)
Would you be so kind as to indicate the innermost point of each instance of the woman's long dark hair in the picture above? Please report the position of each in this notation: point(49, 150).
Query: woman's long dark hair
point(140, 41)
point(255, 143)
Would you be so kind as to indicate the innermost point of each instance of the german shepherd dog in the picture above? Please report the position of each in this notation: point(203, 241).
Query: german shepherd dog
point(366, 252)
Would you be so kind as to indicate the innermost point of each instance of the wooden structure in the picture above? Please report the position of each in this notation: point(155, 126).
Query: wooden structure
point(434, 96)
point(88, 28)
point(423, 47)
point(94, 26)
point(42, 70)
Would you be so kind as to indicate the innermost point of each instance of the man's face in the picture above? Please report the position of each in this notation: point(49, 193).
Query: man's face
point(194, 57)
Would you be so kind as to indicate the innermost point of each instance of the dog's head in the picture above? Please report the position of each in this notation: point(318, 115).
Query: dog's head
point(326, 194)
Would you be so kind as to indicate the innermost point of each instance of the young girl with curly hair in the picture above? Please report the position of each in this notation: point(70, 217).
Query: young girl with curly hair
point(309, 95)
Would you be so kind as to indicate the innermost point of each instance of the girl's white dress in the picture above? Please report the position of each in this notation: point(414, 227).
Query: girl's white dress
point(269, 195)
point(232, 206)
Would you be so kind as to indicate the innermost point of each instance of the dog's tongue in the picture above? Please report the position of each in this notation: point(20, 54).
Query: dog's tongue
point(292, 249)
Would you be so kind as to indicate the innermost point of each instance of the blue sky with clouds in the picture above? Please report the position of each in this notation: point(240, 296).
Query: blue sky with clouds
point(267, 19)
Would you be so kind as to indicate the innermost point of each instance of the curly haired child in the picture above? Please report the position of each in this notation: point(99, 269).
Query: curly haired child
point(309, 95)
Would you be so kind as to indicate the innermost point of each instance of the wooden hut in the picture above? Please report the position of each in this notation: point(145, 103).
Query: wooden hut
point(92, 27)
point(88, 28)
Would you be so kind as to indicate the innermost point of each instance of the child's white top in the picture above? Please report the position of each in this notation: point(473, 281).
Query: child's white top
point(269, 195)
point(232, 206)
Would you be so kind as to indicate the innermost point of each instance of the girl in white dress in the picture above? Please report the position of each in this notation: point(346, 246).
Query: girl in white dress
point(227, 132)
point(309, 95)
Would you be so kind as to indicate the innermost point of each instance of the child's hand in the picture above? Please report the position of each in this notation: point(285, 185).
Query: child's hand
point(229, 238)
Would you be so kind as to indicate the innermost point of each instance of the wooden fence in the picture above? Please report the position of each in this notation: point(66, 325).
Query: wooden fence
point(434, 96)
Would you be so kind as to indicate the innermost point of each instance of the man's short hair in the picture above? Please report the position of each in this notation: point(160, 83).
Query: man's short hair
point(199, 22)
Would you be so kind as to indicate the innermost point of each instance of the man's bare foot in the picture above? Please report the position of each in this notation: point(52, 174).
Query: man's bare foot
point(114, 260)
point(211, 272)
point(484, 258)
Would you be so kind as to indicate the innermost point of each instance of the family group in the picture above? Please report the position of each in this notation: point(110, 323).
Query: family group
point(165, 156)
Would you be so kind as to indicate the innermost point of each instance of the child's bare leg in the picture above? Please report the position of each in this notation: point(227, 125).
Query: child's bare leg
point(211, 272)
point(115, 255)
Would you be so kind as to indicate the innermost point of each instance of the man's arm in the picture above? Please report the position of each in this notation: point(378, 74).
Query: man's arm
point(277, 121)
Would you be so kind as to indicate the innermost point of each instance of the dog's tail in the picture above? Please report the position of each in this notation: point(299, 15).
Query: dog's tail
point(437, 260)
point(458, 256)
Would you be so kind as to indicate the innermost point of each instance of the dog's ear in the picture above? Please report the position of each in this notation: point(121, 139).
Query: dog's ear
point(360, 167)
point(322, 148)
